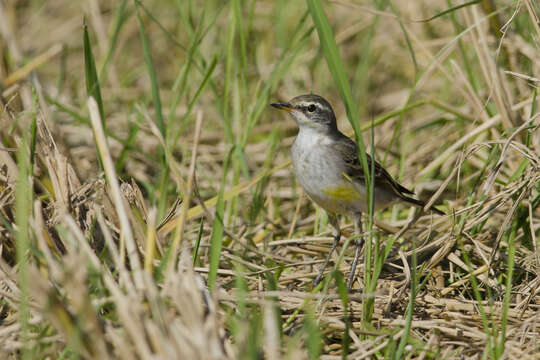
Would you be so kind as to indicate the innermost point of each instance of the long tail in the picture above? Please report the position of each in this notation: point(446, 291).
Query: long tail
point(420, 204)
point(402, 192)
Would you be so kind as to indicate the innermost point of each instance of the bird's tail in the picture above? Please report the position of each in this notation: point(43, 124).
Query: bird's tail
point(421, 204)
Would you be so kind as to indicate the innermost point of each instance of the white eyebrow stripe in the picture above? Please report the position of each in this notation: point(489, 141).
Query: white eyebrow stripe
point(318, 105)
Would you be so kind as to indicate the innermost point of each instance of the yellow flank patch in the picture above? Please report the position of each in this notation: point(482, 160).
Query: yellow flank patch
point(342, 192)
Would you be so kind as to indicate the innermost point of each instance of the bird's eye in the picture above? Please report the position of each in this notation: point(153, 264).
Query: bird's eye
point(311, 108)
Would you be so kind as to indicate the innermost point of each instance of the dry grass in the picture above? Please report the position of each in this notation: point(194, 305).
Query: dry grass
point(86, 270)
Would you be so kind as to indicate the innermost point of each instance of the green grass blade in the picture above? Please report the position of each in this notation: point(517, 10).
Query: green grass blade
point(229, 61)
point(33, 130)
point(197, 36)
point(344, 295)
point(216, 238)
point(181, 83)
point(282, 64)
point(450, 10)
point(410, 310)
point(197, 244)
point(272, 278)
point(508, 291)
point(128, 145)
point(206, 79)
point(237, 11)
point(90, 71)
point(258, 196)
point(162, 28)
point(407, 39)
point(147, 53)
point(119, 21)
point(313, 336)
point(156, 99)
point(23, 201)
point(337, 69)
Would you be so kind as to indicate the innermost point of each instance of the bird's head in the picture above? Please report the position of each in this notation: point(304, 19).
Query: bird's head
point(310, 111)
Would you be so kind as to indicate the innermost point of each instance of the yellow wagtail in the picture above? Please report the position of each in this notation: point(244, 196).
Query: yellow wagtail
point(326, 164)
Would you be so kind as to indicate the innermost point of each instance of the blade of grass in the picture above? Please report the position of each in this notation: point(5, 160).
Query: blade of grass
point(272, 279)
point(23, 201)
point(33, 131)
point(282, 65)
point(370, 280)
point(196, 35)
point(229, 61)
point(343, 294)
point(156, 99)
point(119, 20)
point(92, 82)
point(313, 335)
point(128, 145)
point(164, 30)
point(198, 93)
point(478, 297)
point(23, 72)
point(182, 83)
point(150, 245)
point(126, 235)
point(362, 75)
point(216, 238)
point(237, 11)
point(337, 69)
point(450, 10)
point(195, 256)
point(258, 196)
point(409, 312)
point(147, 53)
point(519, 171)
point(508, 291)
point(186, 201)
point(464, 55)
point(406, 36)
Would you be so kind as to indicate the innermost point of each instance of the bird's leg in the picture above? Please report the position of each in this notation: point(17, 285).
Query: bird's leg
point(359, 242)
point(332, 218)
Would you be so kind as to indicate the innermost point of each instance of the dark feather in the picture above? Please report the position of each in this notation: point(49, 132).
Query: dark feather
point(383, 180)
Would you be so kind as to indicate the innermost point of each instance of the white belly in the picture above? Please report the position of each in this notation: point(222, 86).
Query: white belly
point(321, 176)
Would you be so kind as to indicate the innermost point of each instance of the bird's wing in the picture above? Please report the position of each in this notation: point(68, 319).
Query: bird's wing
point(354, 170)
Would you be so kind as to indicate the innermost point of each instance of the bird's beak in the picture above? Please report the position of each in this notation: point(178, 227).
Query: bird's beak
point(283, 106)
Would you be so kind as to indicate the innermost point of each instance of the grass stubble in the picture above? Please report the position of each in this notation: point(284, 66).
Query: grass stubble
point(105, 126)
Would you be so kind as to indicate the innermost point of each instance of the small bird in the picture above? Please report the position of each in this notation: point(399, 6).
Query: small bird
point(326, 164)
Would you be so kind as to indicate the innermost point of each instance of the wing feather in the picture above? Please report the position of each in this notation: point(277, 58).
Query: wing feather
point(354, 170)
point(383, 180)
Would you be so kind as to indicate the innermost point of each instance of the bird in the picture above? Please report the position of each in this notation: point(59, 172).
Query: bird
point(326, 164)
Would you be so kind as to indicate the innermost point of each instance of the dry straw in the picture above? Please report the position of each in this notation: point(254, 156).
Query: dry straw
point(92, 266)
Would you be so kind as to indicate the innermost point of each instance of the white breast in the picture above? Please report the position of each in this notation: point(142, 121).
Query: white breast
point(318, 169)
